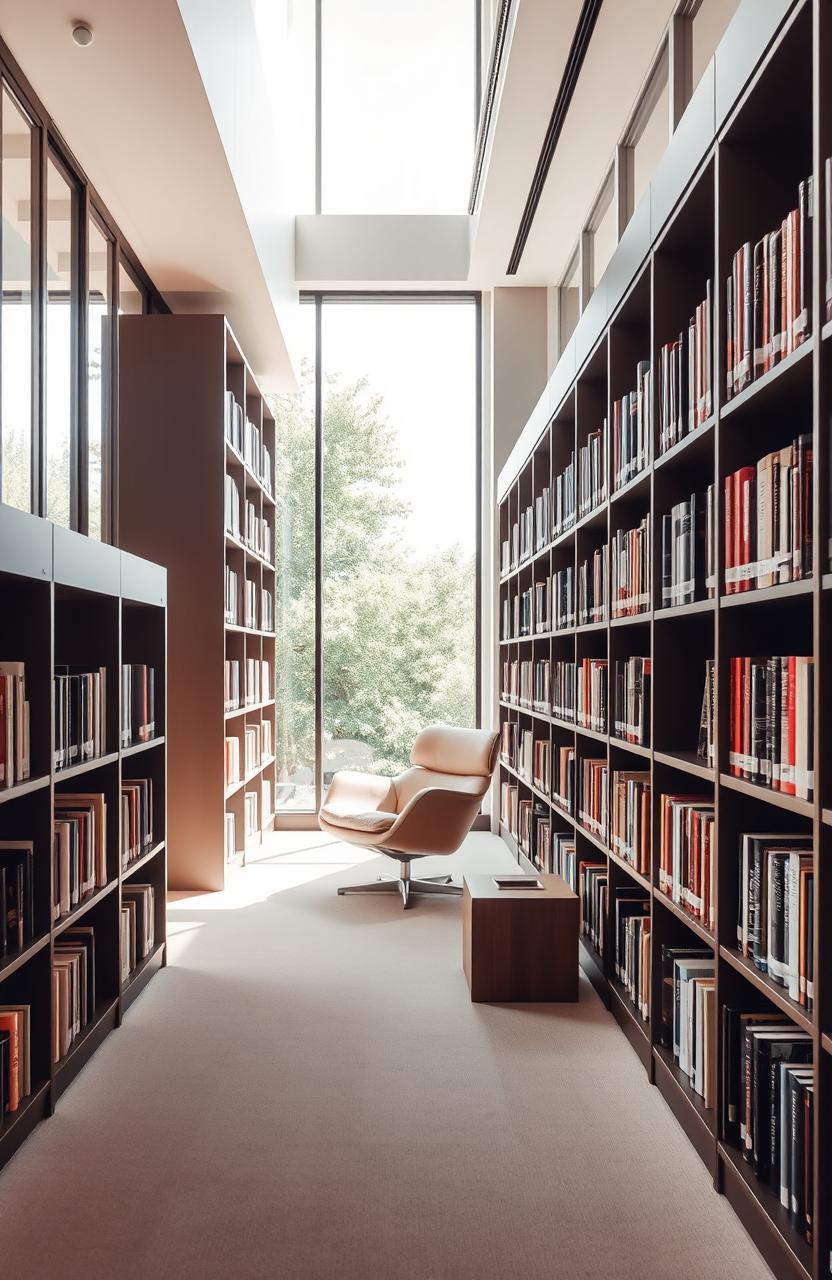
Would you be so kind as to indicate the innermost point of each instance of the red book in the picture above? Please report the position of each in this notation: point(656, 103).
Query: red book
point(789, 785)
point(730, 587)
point(746, 477)
point(736, 714)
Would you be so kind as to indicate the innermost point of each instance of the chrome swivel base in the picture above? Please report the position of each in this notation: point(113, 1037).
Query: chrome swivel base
point(407, 887)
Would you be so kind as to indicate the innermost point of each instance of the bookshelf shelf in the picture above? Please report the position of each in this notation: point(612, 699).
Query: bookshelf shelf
point(92, 606)
point(136, 748)
point(734, 188)
point(203, 392)
point(141, 861)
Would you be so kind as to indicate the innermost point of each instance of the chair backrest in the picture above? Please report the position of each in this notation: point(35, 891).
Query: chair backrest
point(445, 749)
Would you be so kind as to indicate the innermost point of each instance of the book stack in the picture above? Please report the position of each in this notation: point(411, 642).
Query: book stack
point(541, 764)
point(136, 818)
point(689, 1015)
point(234, 419)
point(775, 922)
point(230, 837)
point(593, 471)
point(232, 596)
point(563, 599)
point(593, 795)
point(508, 807)
point(138, 703)
point(526, 526)
point(630, 818)
point(232, 507)
point(630, 563)
point(686, 378)
point(542, 521)
point(17, 919)
point(772, 723)
point(768, 1107)
point(687, 856)
point(565, 499)
point(232, 684)
point(232, 761)
point(563, 690)
point(592, 593)
point(593, 883)
point(541, 606)
point(73, 987)
point(706, 747)
point(15, 1057)
point(79, 849)
point(768, 297)
point(632, 700)
point(80, 714)
point(250, 813)
point(14, 724)
point(252, 751)
point(689, 550)
point(564, 859)
point(266, 609)
point(768, 519)
point(137, 925)
point(632, 429)
point(541, 696)
point(508, 742)
point(591, 694)
point(631, 924)
point(525, 754)
point(563, 783)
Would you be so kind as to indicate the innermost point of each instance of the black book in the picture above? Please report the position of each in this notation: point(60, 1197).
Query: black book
point(780, 1126)
point(759, 300)
point(786, 1045)
point(667, 560)
point(797, 1161)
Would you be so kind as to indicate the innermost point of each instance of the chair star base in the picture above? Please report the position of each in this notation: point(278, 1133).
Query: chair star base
point(406, 886)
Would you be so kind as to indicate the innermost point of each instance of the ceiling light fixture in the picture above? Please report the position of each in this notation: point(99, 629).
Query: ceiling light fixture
point(82, 34)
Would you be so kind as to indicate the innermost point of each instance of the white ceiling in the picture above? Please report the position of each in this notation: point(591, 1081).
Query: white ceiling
point(133, 109)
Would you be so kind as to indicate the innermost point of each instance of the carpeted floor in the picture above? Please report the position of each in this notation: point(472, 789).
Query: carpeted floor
point(307, 1091)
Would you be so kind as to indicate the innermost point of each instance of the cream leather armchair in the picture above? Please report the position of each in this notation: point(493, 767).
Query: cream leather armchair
point(427, 810)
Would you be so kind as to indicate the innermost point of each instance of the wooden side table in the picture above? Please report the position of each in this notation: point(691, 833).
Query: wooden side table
point(520, 944)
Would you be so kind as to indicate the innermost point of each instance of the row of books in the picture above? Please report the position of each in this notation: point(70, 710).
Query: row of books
point(231, 509)
point(631, 935)
point(563, 858)
point(689, 550)
point(138, 703)
point(593, 471)
point(688, 1015)
point(630, 818)
point(17, 918)
point(768, 519)
point(768, 297)
point(686, 378)
point(563, 599)
point(80, 714)
point(687, 855)
point(136, 819)
point(257, 456)
point(768, 1105)
point(564, 506)
point(232, 596)
point(258, 533)
point(563, 779)
point(257, 685)
point(592, 587)
point(632, 700)
point(772, 723)
point(508, 806)
point(234, 419)
point(14, 724)
point(232, 760)
point(257, 744)
point(79, 848)
point(630, 566)
point(775, 927)
point(632, 429)
point(15, 1057)
point(593, 886)
point(591, 694)
point(250, 813)
point(138, 925)
point(73, 987)
point(706, 743)
point(593, 795)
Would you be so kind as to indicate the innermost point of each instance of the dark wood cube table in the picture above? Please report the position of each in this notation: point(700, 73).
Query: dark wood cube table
point(520, 944)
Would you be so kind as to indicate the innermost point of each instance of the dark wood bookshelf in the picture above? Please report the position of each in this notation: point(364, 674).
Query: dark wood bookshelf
point(58, 592)
point(728, 178)
point(174, 375)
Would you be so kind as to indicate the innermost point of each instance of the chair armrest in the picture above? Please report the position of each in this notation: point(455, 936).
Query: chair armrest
point(436, 820)
point(350, 792)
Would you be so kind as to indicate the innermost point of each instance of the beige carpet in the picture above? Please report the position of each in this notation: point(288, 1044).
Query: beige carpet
point(308, 1092)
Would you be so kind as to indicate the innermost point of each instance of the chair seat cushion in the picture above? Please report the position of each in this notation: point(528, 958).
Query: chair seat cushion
point(373, 822)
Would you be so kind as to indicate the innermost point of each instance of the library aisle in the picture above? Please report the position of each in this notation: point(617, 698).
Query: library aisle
point(308, 1092)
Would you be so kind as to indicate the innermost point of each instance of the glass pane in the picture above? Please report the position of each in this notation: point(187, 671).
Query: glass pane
point(131, 300)
point(397, 105)
point(399, 527)
point(16, 327)
point(605, 238)
point(652, 142)
point(99, 342)
point(60, 283)
point(295, 638)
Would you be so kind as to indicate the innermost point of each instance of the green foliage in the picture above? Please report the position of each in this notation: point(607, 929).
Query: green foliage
point(398, 631)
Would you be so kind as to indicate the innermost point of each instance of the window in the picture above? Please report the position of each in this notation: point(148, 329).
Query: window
point(61, 343)
point(132, 297)
point(569, 300)
point(99, 374)
point(398, 503)
point(16, 320)
point(603, 225)
point(398, 109)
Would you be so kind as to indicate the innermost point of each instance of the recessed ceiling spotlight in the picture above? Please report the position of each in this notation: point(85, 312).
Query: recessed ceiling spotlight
point(82, 34)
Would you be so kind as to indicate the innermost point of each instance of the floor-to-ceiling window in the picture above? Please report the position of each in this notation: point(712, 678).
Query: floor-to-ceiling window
point(17, 233)
point(390, 399)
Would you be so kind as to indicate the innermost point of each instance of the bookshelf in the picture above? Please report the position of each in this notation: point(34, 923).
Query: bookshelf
point(758, 124)
point(177, 375)
point(66, 599)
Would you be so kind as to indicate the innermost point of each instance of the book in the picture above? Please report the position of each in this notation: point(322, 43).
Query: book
point(632, 700)
point(687, 855)
point(768, 519)
point(80, 714)
point(632, 429)
point(14, 724)
point(685, 399)
point(630, 570)
point(630, 818)
point(592, 471)
point(771, 728)
point(687, 550)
